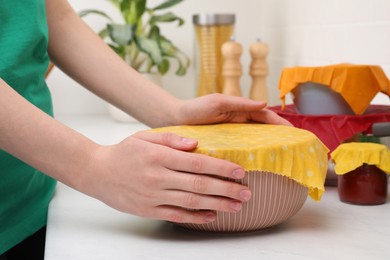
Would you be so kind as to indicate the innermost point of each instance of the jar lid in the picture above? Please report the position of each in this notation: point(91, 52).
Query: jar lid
point(349, 156)
point(213, 19)
point(357, 84)
point(292, 152)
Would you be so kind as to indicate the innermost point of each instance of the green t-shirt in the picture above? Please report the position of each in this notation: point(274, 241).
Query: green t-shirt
point(24, 192)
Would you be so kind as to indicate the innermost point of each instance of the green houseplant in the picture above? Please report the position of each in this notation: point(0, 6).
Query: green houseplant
point(138, 40)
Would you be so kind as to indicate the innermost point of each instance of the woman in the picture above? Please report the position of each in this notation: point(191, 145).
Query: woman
point(147, 174)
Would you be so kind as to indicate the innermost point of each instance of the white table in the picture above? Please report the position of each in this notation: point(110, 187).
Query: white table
point(80, 227)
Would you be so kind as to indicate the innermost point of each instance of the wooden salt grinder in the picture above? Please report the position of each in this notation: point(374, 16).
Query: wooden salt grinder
point(231, 68)
point(259, 71)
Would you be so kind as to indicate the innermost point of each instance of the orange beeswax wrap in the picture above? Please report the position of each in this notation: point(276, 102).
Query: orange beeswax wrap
point(288, 151)
point(357, 84)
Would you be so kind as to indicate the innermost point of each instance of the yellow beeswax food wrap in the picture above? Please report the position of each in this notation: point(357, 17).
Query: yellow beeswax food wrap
point(295, 153)
point(349, 156)
point(357, 84)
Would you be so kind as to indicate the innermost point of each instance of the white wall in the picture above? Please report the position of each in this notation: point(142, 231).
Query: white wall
point(321, 32)
point(299, 32)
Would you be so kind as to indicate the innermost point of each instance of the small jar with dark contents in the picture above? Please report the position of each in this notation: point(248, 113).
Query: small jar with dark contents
point(366, 185)
point(362, 170)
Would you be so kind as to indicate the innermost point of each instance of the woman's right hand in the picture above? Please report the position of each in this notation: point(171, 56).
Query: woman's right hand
point(155, 175)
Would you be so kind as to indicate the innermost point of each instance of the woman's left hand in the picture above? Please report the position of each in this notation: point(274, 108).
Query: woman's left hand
point(219, 108)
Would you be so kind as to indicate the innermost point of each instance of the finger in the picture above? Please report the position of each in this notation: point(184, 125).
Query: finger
point(269, 117)
point(206, 185)
point(241, 104)
point(202, 164)
point(168, 139)
point(181, 215)
point(196, 201)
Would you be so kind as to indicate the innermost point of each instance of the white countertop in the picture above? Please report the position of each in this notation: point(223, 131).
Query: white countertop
point(80, 227)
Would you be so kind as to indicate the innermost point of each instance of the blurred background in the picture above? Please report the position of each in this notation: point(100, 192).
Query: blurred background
point(298, 32)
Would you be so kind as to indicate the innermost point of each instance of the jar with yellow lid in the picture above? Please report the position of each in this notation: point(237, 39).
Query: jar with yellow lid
point(283, 166)
point(362, 170)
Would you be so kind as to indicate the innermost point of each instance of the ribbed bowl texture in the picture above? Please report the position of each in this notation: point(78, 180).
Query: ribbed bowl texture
point(275, 199)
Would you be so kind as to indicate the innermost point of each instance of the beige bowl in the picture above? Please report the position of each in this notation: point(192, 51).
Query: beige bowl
point(275, 199)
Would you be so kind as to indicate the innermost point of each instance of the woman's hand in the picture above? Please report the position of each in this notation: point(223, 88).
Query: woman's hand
point(153, 175)
point(218, 108)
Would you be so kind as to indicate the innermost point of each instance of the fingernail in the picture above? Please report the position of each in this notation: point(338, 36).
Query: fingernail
point(245, 194)
point(238, 173)
point(210, 217)
point(188, 141)
point(236, 206)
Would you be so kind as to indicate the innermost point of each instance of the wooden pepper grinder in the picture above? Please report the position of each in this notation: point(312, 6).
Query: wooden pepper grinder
point(259, 71)
point(231, 68)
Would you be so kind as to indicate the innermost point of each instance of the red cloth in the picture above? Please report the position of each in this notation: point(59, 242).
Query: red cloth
point(335, 129)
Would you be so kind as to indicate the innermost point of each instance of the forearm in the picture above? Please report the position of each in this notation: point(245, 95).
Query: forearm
point(34, 137)
point(80, 53)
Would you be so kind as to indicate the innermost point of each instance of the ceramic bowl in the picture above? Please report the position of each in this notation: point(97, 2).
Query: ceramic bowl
point(316, 99)
point(275, 199)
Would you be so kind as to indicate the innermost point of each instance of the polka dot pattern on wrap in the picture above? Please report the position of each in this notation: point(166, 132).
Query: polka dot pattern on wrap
point(295, 153)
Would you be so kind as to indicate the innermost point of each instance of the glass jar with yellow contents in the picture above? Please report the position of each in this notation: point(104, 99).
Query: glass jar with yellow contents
point(362, 170)
point(283, 166)
point(212, 30)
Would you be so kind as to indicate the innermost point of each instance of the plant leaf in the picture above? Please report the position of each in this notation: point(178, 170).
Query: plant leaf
point(182, 70)
point(154, 33)
point(165, 18)
point(150, 47)
point(132, 10)
point(120, 50)
point(94, 11)
point(121, 34)
point(168, 49)
point(103, 33)
point(167, 4)
point(163, 67)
